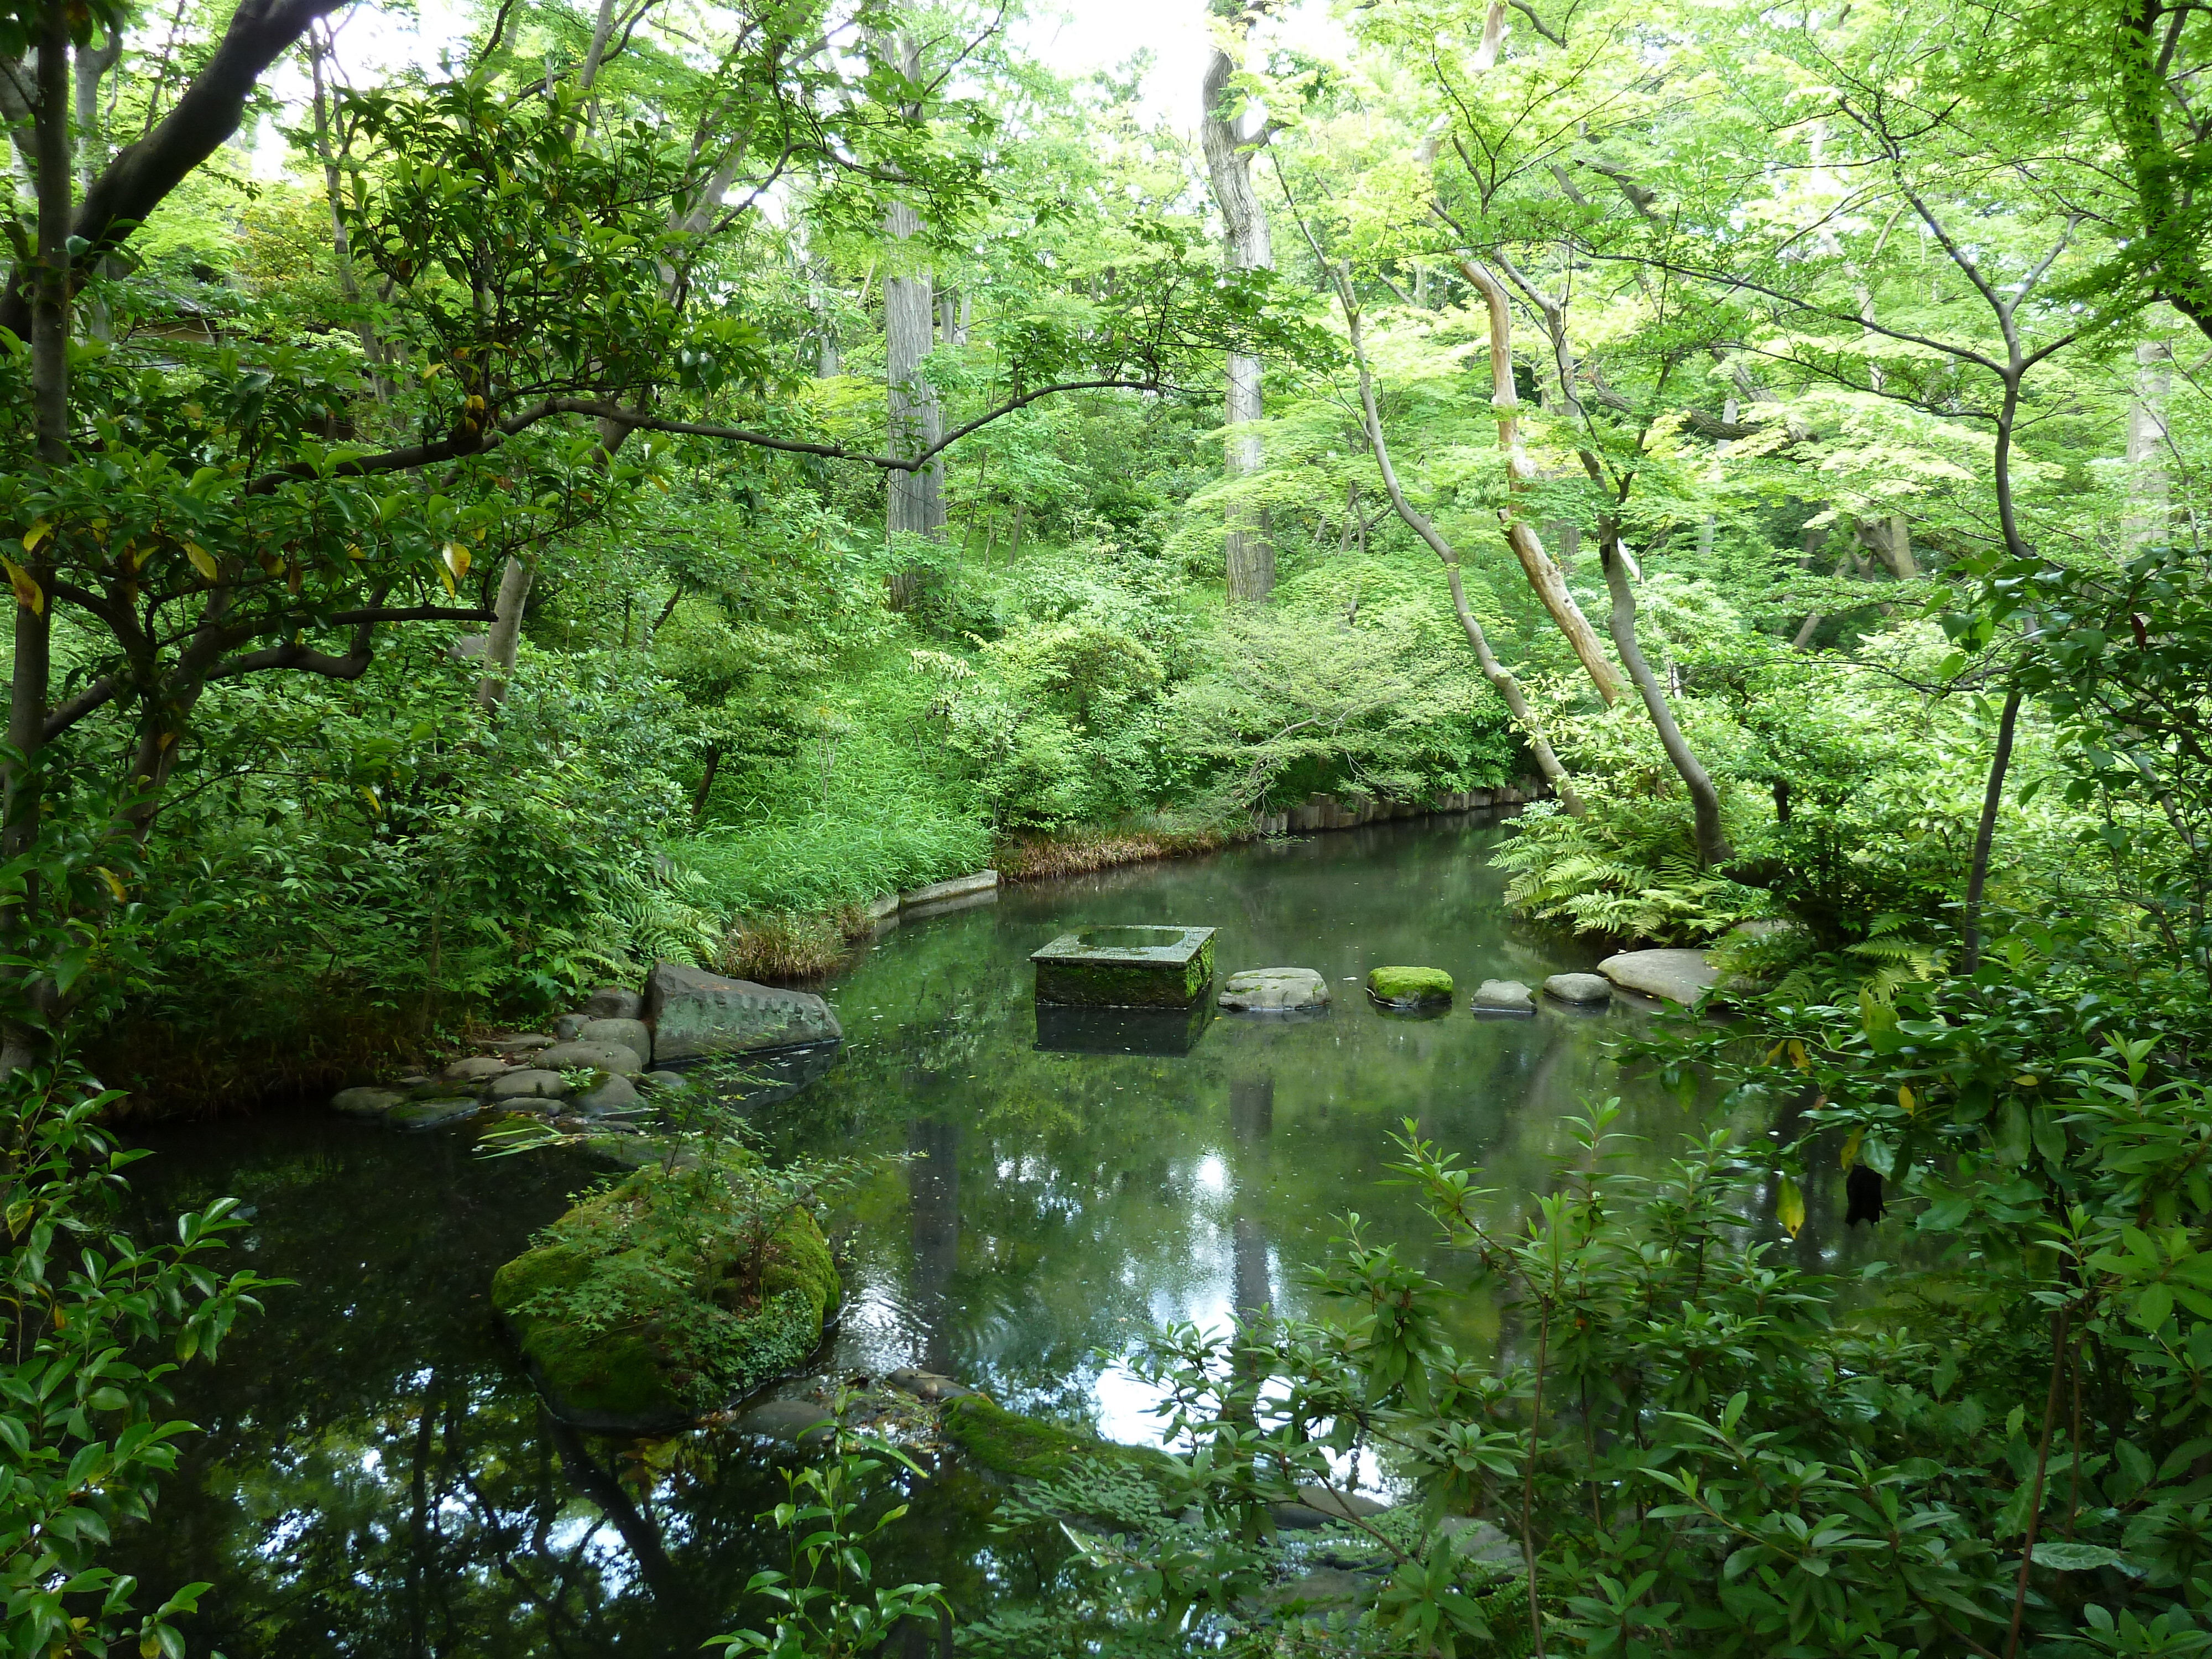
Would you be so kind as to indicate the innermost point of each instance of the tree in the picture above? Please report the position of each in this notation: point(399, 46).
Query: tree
point(1229, 162)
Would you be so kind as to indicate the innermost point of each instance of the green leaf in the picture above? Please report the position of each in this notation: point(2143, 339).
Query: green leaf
point(2077, 1558)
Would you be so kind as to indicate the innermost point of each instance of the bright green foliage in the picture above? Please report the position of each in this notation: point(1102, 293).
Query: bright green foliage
point(679, 1289)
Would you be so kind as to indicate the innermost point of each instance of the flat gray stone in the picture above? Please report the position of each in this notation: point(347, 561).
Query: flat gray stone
point(616, 1057)
point(612, 1002)
point(928, 1385)
point(429, 1114)
point(609, 1094)
point(475, 1069)
point(695, 1013)
point(634, 1034)
point(674, 1083)
point(532, 1085)
point(803, 1421)
point(366, 1102)
point(983, 881)
point(1266, 990)
point(565, 1027)
point(1579, 987)
point(1502, 996)
point(522, 1043)
point(1680, 976)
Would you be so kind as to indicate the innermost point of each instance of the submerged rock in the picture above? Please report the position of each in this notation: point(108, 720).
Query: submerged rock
point(1008, 1443)
point(1410, 988)
point(1579, 987)
point(1257, 990)
point(1503, 996)
point(429, 1114)
point(695, 1013)
point(532, 1084)
point(365, 1103)
point(645, 1308)
point(1680, 976)
point(932, 1386)
point(673, 1083)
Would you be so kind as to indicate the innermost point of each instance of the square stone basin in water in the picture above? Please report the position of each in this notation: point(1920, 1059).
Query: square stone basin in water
point(1127, 967)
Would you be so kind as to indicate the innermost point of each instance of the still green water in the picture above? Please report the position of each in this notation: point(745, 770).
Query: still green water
point(376, 1475)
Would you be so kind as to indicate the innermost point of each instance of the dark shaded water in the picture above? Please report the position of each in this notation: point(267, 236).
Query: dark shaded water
point(377, 1476)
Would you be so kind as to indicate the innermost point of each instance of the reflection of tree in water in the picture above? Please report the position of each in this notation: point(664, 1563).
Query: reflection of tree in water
point(934, 1206)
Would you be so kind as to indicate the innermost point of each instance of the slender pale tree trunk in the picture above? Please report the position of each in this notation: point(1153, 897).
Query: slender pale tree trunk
point(1544, 576)
point(1250, 555)
point(1500, 678)
point(91, 65)
point(1713, 848)
point(2150, 487)
point(319, 51)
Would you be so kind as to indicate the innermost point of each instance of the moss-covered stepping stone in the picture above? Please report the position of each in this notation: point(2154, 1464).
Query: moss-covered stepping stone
point(429, 1114)
point(1410, 988)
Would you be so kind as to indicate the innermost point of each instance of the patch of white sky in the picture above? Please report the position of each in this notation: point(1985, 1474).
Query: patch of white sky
point(1074, 38)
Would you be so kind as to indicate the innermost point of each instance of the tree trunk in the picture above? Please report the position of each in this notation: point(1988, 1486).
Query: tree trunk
point(914, 501)
point(1496, 673)
point(1977, 876)
point(2148, 486)
point(91, 67)
point(318, 48)
point(1250, 555)
point(1713, 849)
point(506, 634)
point(1544, 577)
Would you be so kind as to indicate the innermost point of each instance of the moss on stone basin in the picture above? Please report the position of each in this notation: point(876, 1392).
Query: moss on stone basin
point(1009, 1443)
point(669, 1295)
point(1127, 967)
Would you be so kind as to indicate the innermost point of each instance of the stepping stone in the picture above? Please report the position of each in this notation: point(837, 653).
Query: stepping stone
point(1680, 976)
point(928, 1385)
point(1268, 990)
point(475, 1069)
point(522, 1043)
point(608, 1094)
point(1410, 988)
point(616, 1057)
point(365, 1103)
point(612, 1002)
point(429, 1114)
point(633, 1034)
point(674, 1083)
point(532, 1085)
point(1579, 987)
point(1503, 996)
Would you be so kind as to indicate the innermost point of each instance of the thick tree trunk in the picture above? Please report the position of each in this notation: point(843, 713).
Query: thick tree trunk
point(1713, 849)
point(914, 501)
point(1250, 555)
point(1544, 577)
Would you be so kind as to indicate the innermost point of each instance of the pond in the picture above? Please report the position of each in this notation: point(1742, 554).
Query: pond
point(376, 1474)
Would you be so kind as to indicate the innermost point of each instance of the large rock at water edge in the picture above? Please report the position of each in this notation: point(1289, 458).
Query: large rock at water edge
point(476, 1068)
point(429, 1114)
point(1270, 990)
point(365, 1103)
point(609, 1094)
point(532, 1085)
point(1502, 996)
point(695, 1013)
point(1680, 976)
point(1579, 987)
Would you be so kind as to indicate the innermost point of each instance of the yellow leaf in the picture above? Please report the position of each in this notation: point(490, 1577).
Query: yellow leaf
point(457, 560)
point(1851, 1148)
point(2026, 1081)
point(27, 593)
point(201, 561)
point(374, 805)
point(1789, 1207)
point(1772, 1055)
point(37, 533)
point(1798, 1054)
point(1904, 1098)
point(353, 551)
point(114, 882)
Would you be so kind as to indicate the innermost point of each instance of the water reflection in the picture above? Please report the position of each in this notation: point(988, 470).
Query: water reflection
point(376, 1476)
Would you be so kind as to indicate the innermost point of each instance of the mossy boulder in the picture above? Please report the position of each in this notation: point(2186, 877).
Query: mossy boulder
point(1410, 988)
point(1007, 1442)
point(670, 1295)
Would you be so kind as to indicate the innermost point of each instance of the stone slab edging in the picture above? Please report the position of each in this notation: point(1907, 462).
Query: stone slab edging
point(1350, 812)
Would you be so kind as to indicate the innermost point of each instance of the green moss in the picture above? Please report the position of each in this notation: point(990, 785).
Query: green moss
point(1410, 988)
point(1010, 1444)
point(668, 1296)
